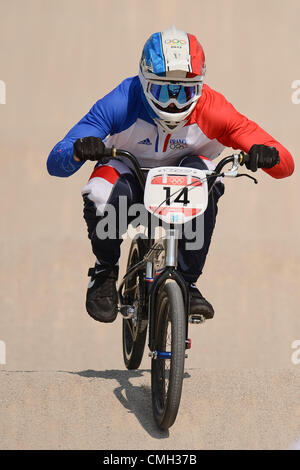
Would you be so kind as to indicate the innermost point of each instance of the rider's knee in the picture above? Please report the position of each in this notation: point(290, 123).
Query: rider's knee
point(198, 162)
point(100, 186)
point(202, 163)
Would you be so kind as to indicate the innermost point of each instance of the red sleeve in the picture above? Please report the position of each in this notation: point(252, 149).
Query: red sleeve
point(220, 120)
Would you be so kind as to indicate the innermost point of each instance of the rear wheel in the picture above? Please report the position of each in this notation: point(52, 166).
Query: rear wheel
point(134, 330)
point(168, 367)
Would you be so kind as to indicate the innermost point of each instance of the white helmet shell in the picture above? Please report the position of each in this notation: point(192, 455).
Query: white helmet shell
point(169, 57)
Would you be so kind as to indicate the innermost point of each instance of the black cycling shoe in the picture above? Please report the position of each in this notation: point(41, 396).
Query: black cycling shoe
point(102, 297)
point(199, 305)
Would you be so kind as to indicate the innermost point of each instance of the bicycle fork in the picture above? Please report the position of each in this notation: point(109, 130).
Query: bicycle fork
point(155, 281)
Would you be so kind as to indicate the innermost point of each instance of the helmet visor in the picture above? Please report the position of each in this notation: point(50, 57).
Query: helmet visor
point(164, 93)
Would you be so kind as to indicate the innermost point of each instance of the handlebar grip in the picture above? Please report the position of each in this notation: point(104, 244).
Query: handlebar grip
point(108, 153)
point(244, 158)
point(257, 161)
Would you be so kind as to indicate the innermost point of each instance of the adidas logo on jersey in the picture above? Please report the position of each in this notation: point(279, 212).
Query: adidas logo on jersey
point(145, 142)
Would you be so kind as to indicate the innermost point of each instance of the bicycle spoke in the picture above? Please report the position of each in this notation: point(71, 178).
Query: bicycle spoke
point(131, 288)
point(164, 364)
point(167, 348)
point(130, 329)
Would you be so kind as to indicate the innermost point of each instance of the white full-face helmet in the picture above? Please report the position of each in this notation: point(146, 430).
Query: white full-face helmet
point(172, 70)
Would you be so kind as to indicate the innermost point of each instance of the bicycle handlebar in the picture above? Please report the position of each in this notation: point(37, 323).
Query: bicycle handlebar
point(113, 152)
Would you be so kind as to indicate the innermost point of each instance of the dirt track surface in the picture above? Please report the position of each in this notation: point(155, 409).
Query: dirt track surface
point(110, 410)
point(64, 383)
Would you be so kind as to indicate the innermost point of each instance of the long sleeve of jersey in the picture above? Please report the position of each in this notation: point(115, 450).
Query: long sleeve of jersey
point(104, 118)
point(122, 117)
point(219, 119)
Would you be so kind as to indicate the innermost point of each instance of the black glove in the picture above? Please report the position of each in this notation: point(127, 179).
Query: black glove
point(89, 148)
point(261, 156)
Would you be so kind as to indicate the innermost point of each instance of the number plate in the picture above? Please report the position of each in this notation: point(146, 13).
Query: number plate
point(176, 195)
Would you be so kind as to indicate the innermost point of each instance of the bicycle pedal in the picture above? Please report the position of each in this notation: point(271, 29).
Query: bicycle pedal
point(196, 319)
point(127, 311)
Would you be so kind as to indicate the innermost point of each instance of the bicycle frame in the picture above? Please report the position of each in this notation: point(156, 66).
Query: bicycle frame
point(169, 245)
point(153, 283)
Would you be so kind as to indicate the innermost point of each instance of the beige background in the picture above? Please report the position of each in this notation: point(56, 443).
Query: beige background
point(57, 57)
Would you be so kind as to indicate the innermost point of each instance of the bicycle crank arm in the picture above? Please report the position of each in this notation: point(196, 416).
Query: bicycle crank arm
point(161, 355)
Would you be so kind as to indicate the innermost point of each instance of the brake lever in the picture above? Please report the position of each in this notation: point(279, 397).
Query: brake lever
point(248, 176)
point(234, 169)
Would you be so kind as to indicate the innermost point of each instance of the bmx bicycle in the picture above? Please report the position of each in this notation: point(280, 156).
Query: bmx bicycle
point(153, 295)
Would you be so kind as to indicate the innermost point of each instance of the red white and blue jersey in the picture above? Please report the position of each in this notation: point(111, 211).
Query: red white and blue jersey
point(122, 119)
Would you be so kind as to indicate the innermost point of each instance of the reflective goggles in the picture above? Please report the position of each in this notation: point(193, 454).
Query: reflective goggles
point(165, 93)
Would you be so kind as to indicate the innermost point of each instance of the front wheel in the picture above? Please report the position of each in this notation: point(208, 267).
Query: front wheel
point(167, 367)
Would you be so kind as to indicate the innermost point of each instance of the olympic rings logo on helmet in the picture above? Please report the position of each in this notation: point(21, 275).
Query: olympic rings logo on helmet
point(175, 42)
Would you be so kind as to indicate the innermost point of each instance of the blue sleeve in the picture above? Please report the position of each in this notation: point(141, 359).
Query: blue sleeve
point(109, 115)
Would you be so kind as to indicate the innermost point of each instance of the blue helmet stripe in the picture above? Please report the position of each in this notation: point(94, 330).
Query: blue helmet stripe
point(154, 54)
point(162, 55)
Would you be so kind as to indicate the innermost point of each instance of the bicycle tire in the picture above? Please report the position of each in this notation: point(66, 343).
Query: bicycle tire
point(134, 331)
point(170, 315)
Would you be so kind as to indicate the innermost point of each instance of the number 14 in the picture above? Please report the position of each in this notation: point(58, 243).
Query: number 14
point(182, 197)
